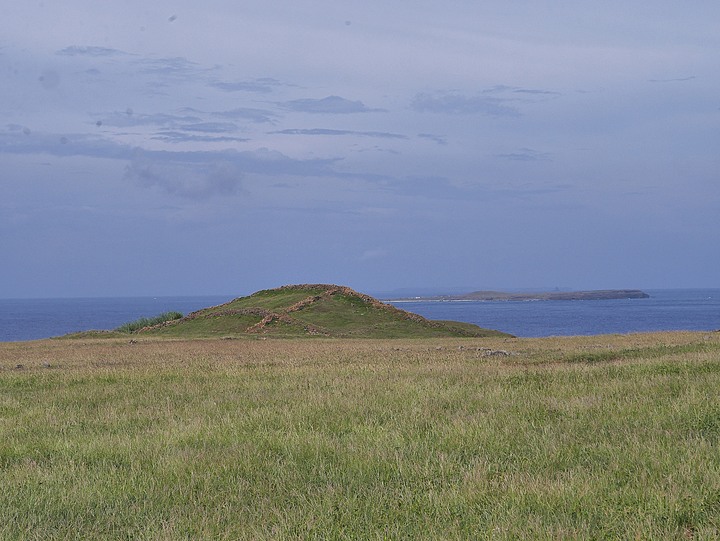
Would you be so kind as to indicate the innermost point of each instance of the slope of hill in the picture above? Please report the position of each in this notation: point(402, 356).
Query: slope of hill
point(312, 310)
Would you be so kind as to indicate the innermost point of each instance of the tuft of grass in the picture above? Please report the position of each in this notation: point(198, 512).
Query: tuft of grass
point(143, 322)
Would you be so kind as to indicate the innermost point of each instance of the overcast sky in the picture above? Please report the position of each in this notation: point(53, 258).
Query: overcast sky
point(181, 148)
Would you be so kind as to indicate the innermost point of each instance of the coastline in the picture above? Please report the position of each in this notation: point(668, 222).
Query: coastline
point(665, 310)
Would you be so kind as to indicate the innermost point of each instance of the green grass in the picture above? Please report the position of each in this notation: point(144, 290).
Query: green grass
point(361, 439)
point(143, 322)
point(351, 317)
point(216, 326)
point(311, 311)
point(274, 299)
point(640, 353)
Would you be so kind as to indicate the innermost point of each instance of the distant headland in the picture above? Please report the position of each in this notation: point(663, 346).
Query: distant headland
point(593, 295)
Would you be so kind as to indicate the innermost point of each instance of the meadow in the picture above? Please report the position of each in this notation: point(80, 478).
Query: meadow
point(603, 437)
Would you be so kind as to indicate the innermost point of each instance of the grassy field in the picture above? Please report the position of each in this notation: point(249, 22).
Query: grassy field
point(606, 437)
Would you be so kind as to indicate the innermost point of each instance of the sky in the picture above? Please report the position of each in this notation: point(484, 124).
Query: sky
point(221, 147)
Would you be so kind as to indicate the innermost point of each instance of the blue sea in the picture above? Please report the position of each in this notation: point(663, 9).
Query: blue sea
point(665, 310)
point(31, 319)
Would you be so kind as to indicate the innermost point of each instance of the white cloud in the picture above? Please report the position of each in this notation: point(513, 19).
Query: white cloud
point(328, 105)
point(324, 131)
point(89, 50)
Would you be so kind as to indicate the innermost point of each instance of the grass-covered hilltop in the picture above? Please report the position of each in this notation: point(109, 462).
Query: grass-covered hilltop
point(310, 310)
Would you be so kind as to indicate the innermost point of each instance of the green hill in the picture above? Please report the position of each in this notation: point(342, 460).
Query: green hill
point(311, 310)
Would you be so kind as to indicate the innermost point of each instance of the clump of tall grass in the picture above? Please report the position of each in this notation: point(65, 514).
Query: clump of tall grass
point(141, 323)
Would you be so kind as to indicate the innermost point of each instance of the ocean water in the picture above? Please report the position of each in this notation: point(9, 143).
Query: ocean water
point(665, 310)
point(681, 309)
point(31, 319)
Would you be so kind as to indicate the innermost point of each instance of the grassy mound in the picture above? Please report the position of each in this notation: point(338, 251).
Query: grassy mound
point(312, 310)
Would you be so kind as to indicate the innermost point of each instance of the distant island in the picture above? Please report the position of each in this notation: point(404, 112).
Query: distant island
point(594, 295)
